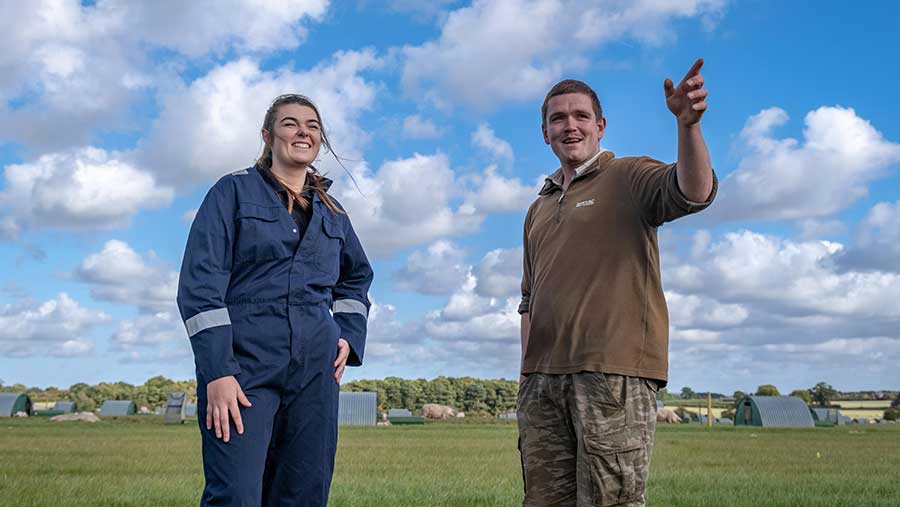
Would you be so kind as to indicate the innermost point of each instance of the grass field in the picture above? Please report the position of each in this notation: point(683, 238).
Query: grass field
point(141, 462)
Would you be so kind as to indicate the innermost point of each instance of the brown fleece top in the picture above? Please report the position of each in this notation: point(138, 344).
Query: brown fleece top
point(591, 282)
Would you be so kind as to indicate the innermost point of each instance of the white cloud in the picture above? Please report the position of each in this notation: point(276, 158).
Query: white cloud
point(694, 336)
point(758, 309)
point(485, 139)
point(499, 273)
point(474, 60)
point(405, 203)
point(692, 311)
point(154, 338)
point(416, 127)
point(212, 126)
point(197, 28)
point(491, 192)
point(469, 335)
point(56, 327)
point(840, 155)
point(150, 330)
point(189, 215)
point(439, 270)
point(877, 242)
point(812, 228)
point(100, 191)
point(119, 274)
point(877, 346)
point(442, 270)
point(71, 67)
point(787, 278)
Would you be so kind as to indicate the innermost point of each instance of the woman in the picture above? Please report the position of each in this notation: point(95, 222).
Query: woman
point(273, 293)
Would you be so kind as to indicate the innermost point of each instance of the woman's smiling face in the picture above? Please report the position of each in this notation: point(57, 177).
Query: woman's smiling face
point(296, 136)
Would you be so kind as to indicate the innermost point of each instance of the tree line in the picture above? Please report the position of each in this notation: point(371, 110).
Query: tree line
point(467, 394)
point(821, 395)
point(151, 394)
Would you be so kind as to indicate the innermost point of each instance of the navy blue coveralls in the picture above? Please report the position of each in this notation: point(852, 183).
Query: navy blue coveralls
point(257, 303)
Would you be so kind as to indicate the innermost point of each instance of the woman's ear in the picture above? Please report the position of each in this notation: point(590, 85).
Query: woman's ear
point(266, 137)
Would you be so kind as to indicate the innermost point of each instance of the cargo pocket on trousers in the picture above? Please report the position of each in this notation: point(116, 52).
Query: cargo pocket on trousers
point(616, 465)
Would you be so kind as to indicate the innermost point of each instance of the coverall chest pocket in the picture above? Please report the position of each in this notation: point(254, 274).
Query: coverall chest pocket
point(328, 252)
point(260, 234)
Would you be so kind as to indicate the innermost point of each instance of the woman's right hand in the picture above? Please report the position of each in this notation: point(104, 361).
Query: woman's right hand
point(223, 396)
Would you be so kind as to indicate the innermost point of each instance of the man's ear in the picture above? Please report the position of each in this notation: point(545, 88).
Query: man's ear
point(601, 125)
point(544, 133)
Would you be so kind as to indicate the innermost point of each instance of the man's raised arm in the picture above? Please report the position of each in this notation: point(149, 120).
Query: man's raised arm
point(687, 102)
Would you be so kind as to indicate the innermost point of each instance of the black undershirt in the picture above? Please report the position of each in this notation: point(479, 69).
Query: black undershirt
point(300, 216)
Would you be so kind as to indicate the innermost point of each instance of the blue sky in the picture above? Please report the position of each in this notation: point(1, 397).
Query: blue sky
point(116, 117)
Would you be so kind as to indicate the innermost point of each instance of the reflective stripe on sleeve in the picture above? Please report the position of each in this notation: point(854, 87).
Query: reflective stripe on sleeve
point(350, 306)
point(206, 320)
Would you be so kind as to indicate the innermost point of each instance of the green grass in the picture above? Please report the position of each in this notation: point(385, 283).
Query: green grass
point(141, 462)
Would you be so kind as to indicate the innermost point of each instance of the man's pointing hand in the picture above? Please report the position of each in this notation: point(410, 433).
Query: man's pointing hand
point(687, 101)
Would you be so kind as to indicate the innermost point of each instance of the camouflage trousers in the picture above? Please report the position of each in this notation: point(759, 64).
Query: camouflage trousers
point(585, 438)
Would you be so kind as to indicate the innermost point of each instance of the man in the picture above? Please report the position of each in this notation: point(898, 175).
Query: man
point(594, 319)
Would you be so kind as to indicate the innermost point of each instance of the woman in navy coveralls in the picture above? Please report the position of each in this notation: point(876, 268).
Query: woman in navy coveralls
point(273, 293)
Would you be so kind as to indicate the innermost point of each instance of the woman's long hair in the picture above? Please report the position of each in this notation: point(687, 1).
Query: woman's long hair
point(314, 180)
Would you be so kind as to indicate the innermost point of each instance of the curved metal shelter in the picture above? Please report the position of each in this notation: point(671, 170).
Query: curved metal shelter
point(827, 415)
point(65, 407)
point(13, 403)
point(116, 408)
point(773, 412)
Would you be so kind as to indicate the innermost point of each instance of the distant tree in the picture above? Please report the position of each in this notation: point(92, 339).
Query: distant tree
point(474, 398)
point(662, 394)
point(803, 394)
point(892, 414)
point(823, 393)
point(767, 390)
point(687, 393)
point(896, 402)
point(738, 395)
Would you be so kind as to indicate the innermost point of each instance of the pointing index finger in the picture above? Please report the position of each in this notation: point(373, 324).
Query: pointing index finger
point(695, 69)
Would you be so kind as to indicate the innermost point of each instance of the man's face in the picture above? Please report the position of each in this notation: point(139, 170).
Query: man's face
point(572, 129)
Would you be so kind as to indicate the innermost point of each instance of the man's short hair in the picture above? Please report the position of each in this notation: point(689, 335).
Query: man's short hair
point(571, 86)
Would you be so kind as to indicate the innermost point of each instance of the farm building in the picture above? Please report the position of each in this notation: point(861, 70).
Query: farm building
point(190, 410)
point(773, 411)
point(403, 416)
point(13, 403)
point(115, 408)
point(694, 417)
point(175, 408)
point(65, 407)
point(357, 409)
point(827, 415)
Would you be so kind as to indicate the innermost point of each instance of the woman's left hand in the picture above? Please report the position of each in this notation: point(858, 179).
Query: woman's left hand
point(340, 363)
